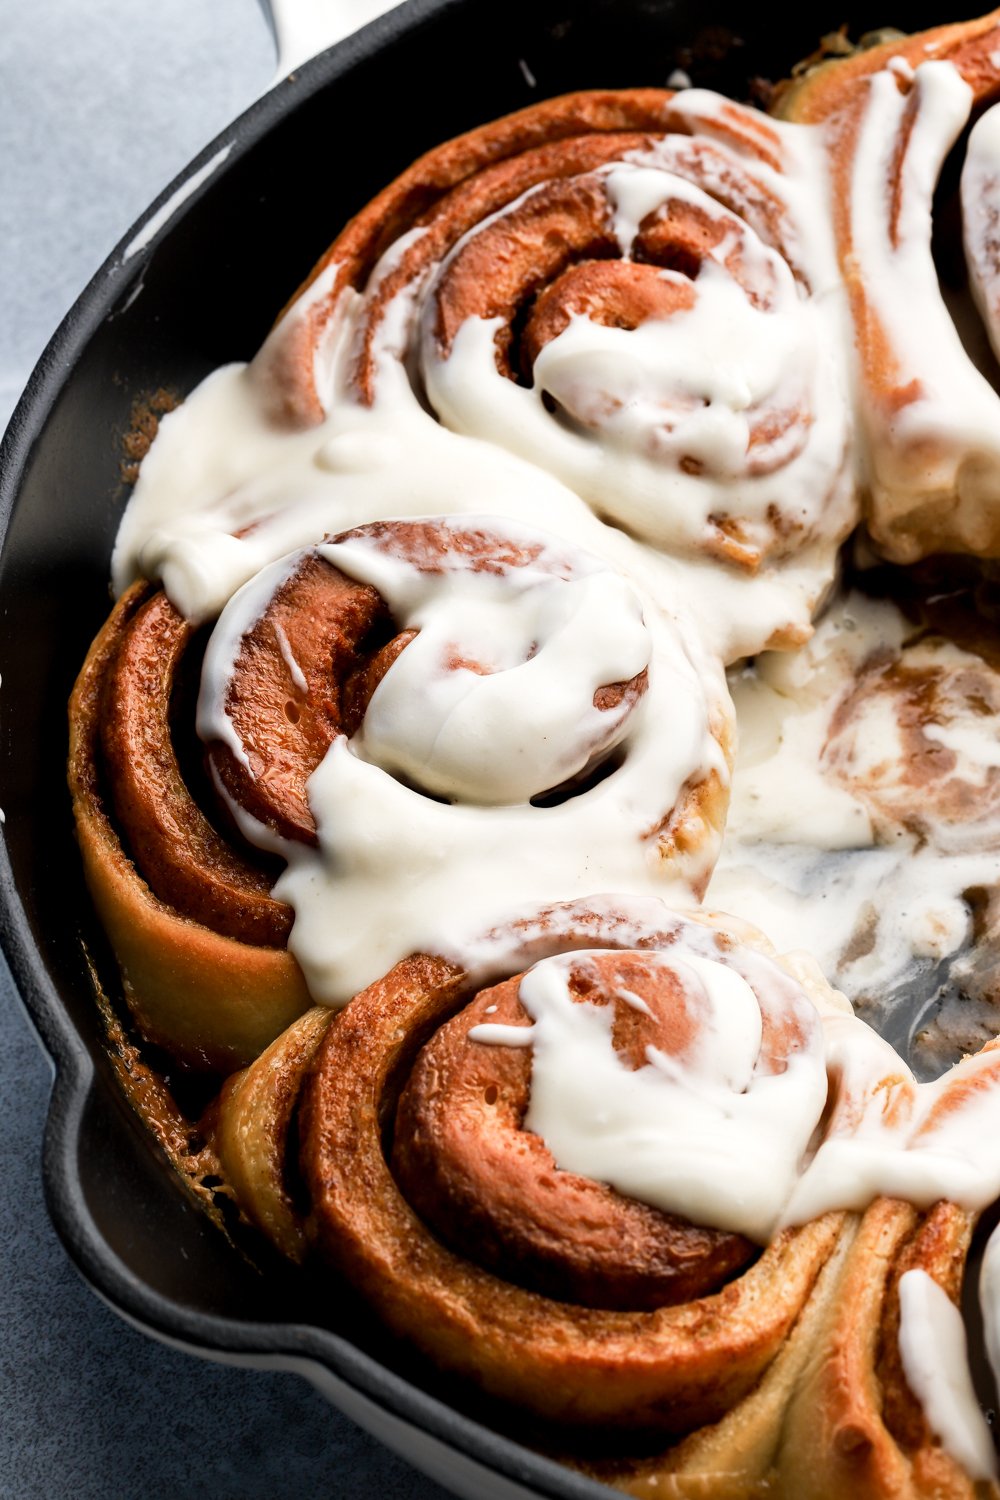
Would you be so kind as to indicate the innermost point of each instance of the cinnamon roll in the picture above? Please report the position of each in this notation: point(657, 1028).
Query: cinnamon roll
point(890, 116)
point(661, 1155)
point(624, 289)
point(449, 720)
point(539, 1228)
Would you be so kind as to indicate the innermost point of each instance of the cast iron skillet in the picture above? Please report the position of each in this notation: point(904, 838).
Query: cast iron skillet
point(202, 292)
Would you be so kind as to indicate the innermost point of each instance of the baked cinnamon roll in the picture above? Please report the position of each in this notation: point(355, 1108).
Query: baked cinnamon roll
point(890, 116)
point(451, 720)
point(630, 1188)
point(632, 310)
point(535, 1224)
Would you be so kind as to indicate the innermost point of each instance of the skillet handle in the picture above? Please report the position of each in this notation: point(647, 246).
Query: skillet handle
point(267, 10)
point(304, 28)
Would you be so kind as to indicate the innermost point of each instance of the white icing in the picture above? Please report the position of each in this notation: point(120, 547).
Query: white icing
point(521, 720)
point(891, 1136)
point(989, 1301)
point(803, 859)
point(212, 720)
point(932, 1348)
point(941, 448)
point(449, 871)
point(729, 1133)
point(712, 1131)
point(295, 672)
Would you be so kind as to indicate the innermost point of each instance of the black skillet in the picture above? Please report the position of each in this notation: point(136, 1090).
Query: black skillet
point(203, 291)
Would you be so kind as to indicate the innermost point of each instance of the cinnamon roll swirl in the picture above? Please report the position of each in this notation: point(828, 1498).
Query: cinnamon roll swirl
point(535, 1183)
point(450, 719)
point(637, 311)
point(635, 1298)
point(525, 723)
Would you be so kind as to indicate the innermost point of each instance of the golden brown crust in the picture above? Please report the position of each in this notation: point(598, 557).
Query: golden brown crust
point(823, 91)
point(737, 1458)
point(250, 1131)
point(186, 860)
point(853, 1427)
point(209, 999)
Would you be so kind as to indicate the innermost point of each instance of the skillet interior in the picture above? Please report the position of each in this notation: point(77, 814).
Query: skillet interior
point(211, 283)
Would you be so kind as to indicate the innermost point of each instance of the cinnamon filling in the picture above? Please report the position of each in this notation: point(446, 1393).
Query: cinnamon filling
point(304, 674)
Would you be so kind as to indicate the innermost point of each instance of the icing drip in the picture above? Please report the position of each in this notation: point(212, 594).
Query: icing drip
point(933, 1350)
point(933, 437)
